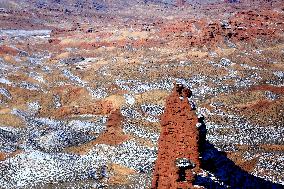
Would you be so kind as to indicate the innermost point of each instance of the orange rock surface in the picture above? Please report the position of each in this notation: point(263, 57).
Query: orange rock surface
point(114, 134)
point(4, 50)
point(179, 139)
point(4, 156)
point(98, 108)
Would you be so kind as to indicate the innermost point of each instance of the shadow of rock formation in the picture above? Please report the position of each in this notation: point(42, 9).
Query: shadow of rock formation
point(224, 169)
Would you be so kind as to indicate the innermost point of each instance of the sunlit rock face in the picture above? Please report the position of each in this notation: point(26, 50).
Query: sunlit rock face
point(178, 141)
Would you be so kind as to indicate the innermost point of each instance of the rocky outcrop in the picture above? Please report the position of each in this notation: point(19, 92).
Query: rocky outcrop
point(243, 26)
point(97, 108)
point(5, 50)
point(114, 134)
point(178, 155)
point(4, 156)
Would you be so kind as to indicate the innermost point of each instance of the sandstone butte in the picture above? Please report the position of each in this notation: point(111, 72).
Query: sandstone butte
point(178, 154)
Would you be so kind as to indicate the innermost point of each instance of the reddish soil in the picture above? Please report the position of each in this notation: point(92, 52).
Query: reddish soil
point(274, 89)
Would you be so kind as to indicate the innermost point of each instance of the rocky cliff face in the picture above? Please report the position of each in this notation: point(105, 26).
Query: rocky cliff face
point(178, 154)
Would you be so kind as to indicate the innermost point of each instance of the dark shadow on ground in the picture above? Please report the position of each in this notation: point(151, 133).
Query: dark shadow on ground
point(208, 183)
point(225, 170)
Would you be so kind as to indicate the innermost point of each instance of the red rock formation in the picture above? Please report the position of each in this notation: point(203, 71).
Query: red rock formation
point(4, 50)
point(247, 26)
point(114, 134)
point(4, 156)
point(178, 152)
point(101, 107)
point(115, 119)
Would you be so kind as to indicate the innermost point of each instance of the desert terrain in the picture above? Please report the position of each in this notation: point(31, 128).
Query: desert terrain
point(84, 83)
